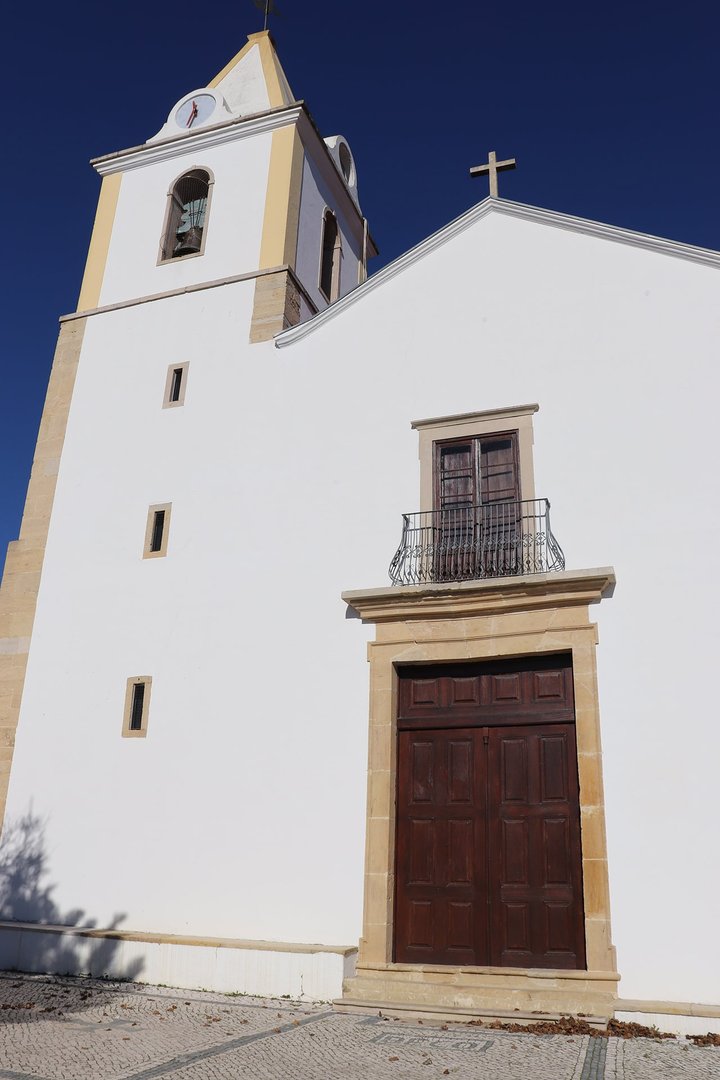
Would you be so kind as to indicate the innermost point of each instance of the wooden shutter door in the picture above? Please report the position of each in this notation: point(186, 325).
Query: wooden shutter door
point(534, 848)
point(456, 495)
point(441, 848)
point(477, 489)
point(488, 852)
point(500, 520)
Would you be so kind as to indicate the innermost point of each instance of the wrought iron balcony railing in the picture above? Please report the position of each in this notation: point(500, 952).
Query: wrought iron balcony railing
point(465, 543)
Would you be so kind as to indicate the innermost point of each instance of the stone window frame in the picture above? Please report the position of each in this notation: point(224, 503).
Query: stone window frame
point(172, 368)
point(516, 418)
point(141, 732)
point(162, 550)
point(337, 257)
point(170, 211)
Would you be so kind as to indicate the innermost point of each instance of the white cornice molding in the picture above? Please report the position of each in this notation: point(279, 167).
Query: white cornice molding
point(150, 153)
point(185, 290)
point(511, 209)
point(607, 232)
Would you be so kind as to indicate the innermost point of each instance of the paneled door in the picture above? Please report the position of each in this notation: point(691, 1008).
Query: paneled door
point(488, 858)
point(478, 530)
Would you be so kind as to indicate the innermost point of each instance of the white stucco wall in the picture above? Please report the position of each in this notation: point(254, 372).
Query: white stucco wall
point(233, 225)
point(242, 812)
point(316, 196)
point(244, 87)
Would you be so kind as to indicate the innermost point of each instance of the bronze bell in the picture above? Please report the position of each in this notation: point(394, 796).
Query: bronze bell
point(189, 242)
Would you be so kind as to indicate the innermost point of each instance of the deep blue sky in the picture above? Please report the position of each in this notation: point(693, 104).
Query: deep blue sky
point(611, 110)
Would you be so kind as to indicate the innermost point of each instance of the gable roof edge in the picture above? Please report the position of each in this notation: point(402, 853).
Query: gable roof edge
point(523, 211)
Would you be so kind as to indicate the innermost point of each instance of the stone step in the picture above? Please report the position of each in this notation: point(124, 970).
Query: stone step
point(443, 1014)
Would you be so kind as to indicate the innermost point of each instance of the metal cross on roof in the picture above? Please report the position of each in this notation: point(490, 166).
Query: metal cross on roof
point(492, 168)
point(268, 7)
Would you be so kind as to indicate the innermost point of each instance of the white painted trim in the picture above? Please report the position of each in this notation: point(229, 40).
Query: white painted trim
point(667, 1008)
point(151, 153)
point(511, 209)
point(178, 939)
point(199, 287)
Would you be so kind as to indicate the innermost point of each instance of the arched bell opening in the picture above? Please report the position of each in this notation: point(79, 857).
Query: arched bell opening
point(330, 258)
point(187, 215)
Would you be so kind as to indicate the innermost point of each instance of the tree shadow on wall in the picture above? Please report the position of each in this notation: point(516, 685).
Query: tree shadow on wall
point(26, 896)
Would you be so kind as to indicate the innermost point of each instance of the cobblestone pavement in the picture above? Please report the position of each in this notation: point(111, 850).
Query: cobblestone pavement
point(79, 1029)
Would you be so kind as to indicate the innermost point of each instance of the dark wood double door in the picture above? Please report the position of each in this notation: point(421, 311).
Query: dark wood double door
point(488, 857)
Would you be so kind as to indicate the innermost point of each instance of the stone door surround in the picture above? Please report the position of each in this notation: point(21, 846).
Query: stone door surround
point(480, 620)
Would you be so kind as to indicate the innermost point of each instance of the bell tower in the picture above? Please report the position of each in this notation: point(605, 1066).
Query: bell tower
point(233, 222)
point(236, 186)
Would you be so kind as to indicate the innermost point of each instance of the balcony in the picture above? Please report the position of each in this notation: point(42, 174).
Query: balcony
point(466, 543)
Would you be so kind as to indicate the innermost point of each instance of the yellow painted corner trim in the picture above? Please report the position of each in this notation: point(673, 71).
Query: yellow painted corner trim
point(271, 70)
point(26, 555)
point(282, 200)
point(100, 242)
point(251, 42)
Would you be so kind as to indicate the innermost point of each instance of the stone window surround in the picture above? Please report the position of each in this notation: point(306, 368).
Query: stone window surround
point(169, 205)
point(465, 425)
point(141, 732)
point(162, 552)
point(480, 620)
point(172, 368)
point(338, 255)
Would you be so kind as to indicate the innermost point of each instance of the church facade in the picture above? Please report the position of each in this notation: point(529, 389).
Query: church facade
point(242, 432)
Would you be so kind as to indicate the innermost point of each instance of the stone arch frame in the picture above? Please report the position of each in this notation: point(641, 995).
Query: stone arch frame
point(171, 211)
point(337, 254)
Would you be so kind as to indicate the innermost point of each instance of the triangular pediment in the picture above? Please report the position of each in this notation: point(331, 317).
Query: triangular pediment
point(507, 208)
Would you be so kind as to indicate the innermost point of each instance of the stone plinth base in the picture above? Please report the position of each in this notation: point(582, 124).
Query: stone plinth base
point(516, 994)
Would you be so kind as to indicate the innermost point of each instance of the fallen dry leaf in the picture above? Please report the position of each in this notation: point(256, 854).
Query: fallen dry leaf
point(573, 1025)
point(711, 1039)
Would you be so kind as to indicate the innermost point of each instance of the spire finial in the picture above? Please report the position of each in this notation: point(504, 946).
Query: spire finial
point(267, 7)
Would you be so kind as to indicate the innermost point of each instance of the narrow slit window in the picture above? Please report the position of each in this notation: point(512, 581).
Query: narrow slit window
point(137, 704)
point(157, 530)
point(136, 709)
point(175, 384)
point(330, 256)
